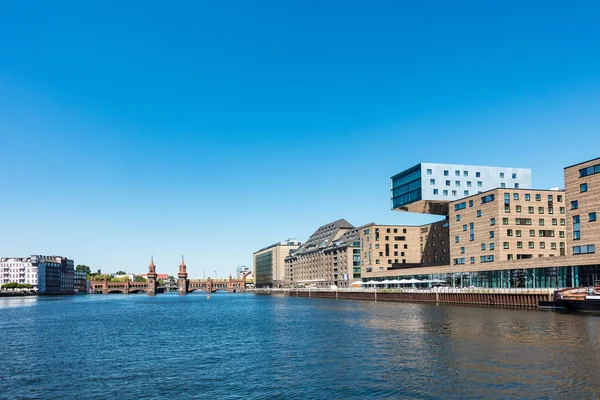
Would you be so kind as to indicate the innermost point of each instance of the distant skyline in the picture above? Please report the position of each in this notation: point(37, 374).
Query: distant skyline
point(213, 129)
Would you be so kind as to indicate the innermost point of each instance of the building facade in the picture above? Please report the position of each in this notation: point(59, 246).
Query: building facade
point(269, 263)
point(429, 187)
point(19, 270)
point(330, 257)
point(506, 225)
point(80, 282)
point(55, 274)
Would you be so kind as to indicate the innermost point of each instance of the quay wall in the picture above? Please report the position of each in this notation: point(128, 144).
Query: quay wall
point(527, 298)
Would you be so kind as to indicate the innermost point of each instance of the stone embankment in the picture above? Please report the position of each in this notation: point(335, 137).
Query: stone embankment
point(489, 297)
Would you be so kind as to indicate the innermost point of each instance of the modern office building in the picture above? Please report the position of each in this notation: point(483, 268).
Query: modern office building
point(269, 263)
point(18, 270)
point(79, 282)
point(429, 187)
point(330, 256)
point(55, 274)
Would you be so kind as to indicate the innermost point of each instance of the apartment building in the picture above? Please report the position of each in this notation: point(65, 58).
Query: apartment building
point(269, 265)
point(582, 184)
point(389, 247)
point(19, 270)
point(429, 187)
point(507, 224)
point(55, 274)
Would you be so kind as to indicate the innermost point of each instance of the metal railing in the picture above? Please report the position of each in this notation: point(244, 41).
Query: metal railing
point(542, 291)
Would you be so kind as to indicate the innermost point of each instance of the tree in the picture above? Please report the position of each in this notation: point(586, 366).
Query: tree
point(85, 268)
point(120, 273)
point(10, 285)
point(139, 278)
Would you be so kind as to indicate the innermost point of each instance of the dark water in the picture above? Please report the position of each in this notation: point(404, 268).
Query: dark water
point(250, 346)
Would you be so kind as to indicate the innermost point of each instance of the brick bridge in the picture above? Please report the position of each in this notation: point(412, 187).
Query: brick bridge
point(184, 285)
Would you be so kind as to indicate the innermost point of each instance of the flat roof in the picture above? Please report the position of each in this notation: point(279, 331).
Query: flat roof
point(583, 162)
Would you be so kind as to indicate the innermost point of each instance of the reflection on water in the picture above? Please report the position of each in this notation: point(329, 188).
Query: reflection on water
point(246, 346)
point(21, 301)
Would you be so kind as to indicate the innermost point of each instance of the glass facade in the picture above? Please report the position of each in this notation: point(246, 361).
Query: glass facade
point(515, 278)
point(406, 187)
point(264, 269)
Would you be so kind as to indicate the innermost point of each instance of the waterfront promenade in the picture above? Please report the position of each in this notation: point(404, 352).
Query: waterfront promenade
point(501, 297)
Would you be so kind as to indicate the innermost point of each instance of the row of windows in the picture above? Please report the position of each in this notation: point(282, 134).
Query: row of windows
point(531, 210)
point(454, 192)
point(594, 169)
point(538, 197)
point(589, 249)
point(457, 183)
point(466, 173)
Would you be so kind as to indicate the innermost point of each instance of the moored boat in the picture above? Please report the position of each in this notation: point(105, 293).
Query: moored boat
point(575, 299)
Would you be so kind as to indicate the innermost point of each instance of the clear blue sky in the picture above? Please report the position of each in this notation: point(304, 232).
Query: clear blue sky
point(215, 128)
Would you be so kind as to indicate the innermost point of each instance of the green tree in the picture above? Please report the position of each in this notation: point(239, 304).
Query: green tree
point(10, 285)
point(120, 273)
point(139, 278)
point(81, 267)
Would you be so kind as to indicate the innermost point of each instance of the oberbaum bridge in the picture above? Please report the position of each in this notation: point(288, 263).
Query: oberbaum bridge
point(184, 285)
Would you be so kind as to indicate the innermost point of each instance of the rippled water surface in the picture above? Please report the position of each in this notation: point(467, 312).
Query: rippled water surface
point(253, 346)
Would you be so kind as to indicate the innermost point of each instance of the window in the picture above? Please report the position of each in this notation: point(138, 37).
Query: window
point(435, 191)
point(554, 221)
point(432, 181)
point(429, 172)
point(491, 234)
point(553, 245)
point(505, 245)
point(470, 203)
point(507, 208)
point(487, 199)
point(523, 221)
point(454, 193)
point(518, 233)
point(542, 245)
point(492, 246)
point(479, 184)
point(540, 210)
point(562, 210)
point(482, 246)
point(532, 233)
point(459, 260)
point(516, 185)
point(509, 232)
point(447, 183)
point(503, 185)
point(446, 172)
point(466, 192)
point(592, 216)
point(465, 227)
point(456, 173)
point(445, 192)
point(457, 183)
point(538, 197)
point(594, 169)
point(518, 209)
point(468, 183)
point(519, 245)
point(576, 228)
point(530, 210)
point(457, 239)
point(504, 221)
point(527, 197)
point(478, 174)
point(465, 173)
point(514, 176)
point(515, 196)
point(541, 222)
point(559, 198)
point(462, 250)
point(590, 248)
point(574, 205)
point(376, 261)
point(501, 175)
point(478, 213)
point(492, 221)
point(485, 259)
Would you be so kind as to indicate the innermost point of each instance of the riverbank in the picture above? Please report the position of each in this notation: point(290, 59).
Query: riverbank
point(527, 298)
point(16, 294)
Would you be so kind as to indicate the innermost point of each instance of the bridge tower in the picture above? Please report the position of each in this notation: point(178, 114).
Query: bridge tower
point(152, 284)
point(182, 283)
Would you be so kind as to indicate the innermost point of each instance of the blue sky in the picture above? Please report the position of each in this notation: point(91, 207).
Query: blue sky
point(214, 128)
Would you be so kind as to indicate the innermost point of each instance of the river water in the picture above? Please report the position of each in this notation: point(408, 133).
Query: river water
point(240, 346)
